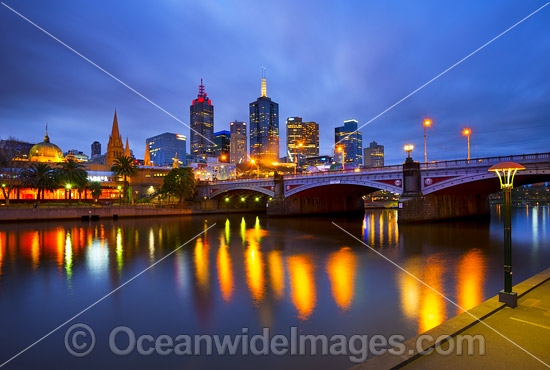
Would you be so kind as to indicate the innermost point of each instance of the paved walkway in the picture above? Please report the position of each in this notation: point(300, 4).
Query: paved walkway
point(528, 325)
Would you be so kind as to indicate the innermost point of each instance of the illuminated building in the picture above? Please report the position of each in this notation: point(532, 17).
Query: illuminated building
point(351, 140)
point(45, 151)
point(202, 125)
point(222, 148)
point(238, 148)
point(302, 138)
point(96, 149)
point(163, 148)
point(264, 128)
point(374, 155)
point(77, 155)
point(114, 147)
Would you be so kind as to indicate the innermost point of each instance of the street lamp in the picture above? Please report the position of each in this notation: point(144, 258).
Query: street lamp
point(68, 187)
point(506, 172)
point(427, 123)
point(119, 193)
point(467, 132)
point(408, 148)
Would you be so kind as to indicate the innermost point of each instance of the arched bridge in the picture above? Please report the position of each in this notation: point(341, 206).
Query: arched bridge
point(462, 180)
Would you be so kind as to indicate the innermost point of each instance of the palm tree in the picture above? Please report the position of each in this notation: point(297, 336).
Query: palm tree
point(124, 167)
point(41, 177)
point(95, 189)
point(71, 174)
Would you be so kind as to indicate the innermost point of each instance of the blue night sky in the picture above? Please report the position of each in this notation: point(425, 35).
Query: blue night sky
point(326, 61)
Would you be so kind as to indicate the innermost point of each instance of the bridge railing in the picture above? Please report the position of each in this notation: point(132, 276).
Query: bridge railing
point(522, 158)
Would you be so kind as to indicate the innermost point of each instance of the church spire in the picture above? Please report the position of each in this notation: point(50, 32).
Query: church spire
point(114, 131)
point(147, 158)
point(264, 84)
point(115, 148)
point(127, 152)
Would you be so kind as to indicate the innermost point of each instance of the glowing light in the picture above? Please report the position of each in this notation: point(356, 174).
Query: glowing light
point(243, 199)
point(201, 265)
point(227, 199)
point(243, 231)
point(470, 279)
point(227, 231)
point(119, 250)
point(257, 199)
point(225, 274)
point(427, 122)
point(255, 272)
point(276, 273)
point(466, 132)
point(341, 271)
point(302, 285)
point(68, 257)
point(432, 306)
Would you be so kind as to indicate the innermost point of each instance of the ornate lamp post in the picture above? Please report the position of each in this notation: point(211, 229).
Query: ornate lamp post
point(506, 172)
point(427, 123)
point(408, 148)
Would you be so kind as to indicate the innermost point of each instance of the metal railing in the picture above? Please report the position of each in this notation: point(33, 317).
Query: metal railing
point(522, 158)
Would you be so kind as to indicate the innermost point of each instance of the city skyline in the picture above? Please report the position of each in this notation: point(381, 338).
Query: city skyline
point(501, 92)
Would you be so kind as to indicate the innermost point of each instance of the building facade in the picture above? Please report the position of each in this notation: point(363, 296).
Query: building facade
point(350, 141)
point(302, 138)
point(202, 125)
point(222, 139)
point(163, 148)
point(264, 128)
point(374, 155)
point(96, 149)
point(238, 148)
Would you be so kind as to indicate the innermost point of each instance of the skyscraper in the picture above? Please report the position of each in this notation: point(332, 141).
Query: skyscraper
point(304, 133)
point(238, 147)
point(202, 125)
point(222, 148)
point(351, 141)
point(114, 147)
point(96, 149)
point(374, 155)
point(163, 148)
point(264, 128)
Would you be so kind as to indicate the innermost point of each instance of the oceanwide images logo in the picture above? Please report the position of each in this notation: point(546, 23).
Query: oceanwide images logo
point(80, 341)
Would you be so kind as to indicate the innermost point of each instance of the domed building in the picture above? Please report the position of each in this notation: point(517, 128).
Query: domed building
point(45, 151)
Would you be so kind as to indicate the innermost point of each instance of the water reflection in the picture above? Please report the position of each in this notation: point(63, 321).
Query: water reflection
point(302, 284)
point(341, 270)
point(225, 274)
point(470, 278)
point(274, 272)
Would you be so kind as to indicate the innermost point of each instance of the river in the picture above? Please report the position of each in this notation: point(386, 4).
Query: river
point(245, 273)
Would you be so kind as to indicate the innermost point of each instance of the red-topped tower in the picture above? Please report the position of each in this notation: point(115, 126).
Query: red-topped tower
point(202, 125)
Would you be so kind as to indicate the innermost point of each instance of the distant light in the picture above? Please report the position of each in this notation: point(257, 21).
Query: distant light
point(227, 199)
point(356, 170)
point(466, 131)
point(257, 199)
point(242, 199)
point(68, 186)
point(427, 123)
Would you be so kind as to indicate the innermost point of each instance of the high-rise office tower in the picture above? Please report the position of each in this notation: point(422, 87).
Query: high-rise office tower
point(163, 148)
point(238, 147)
point(264, 128)
point(374, 155)
point(96, 149)
point(202, 125)
point(222, 148)
point(351, 141)
point(302, 138)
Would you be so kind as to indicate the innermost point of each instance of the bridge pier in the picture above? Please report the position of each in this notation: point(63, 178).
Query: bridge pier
point(435, 207)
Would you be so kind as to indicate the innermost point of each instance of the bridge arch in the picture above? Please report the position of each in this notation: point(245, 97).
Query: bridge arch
point(369, 185)
point(256, 189)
